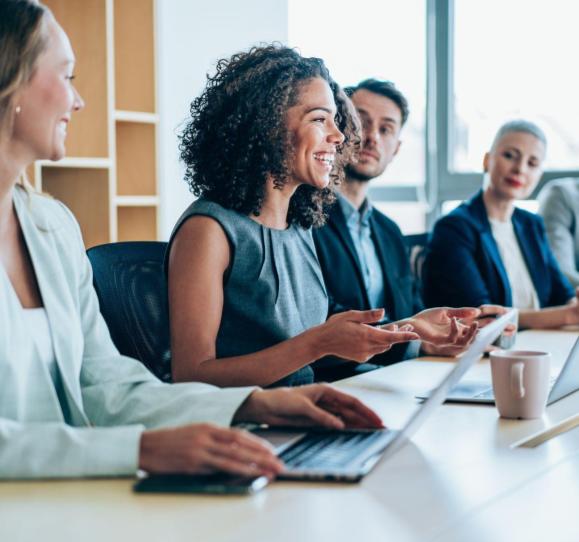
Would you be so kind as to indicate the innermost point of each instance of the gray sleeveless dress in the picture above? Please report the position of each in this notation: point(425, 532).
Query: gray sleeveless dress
point(273, 289)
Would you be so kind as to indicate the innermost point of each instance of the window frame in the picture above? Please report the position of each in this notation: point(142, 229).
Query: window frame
point(441, 183)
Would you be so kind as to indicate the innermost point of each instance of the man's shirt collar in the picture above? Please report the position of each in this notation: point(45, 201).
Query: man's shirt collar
point(353, 216)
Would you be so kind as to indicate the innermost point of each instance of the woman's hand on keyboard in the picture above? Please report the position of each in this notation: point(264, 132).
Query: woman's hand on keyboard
point(314, 405)
point(204, 449)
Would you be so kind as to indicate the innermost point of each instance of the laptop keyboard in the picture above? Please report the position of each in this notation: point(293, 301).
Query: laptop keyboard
point(325, 450)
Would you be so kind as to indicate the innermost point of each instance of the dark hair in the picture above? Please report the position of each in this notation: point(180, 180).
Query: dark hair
point(22, 39)
point(384, 88)
point(237, 135)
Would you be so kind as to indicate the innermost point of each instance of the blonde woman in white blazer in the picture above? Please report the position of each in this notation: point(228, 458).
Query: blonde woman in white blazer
point(70, 404)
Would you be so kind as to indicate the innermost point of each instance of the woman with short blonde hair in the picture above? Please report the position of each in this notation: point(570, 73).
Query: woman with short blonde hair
point(489, 251)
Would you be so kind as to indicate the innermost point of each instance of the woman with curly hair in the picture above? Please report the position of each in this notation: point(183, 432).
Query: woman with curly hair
point(70, 404)
point(264, 148)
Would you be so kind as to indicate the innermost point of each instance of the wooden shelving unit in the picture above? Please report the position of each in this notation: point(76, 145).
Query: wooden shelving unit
point(109, 178)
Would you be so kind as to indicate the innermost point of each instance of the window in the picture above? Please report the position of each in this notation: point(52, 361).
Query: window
point(499, 61)
point(515, 60)
point(466, 68)
point(409, 215)
point(385, 39)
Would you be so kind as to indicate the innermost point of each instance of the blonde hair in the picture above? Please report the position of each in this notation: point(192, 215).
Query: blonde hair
point(22, 40)
point(519, 125)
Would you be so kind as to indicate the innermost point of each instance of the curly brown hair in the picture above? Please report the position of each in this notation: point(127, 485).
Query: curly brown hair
point(237, 135)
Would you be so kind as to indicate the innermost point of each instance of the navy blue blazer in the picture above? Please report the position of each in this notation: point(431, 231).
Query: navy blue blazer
point(463, 266)
point(344, 279)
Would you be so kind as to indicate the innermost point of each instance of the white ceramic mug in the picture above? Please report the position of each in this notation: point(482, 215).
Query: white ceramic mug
point(520, 382)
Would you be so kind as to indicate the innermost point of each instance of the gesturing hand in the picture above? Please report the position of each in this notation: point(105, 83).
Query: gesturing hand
point(443, 351)
point(317, 404)
point(488, 314)
point(442, 327)
point(206, 448)
point(349, 336)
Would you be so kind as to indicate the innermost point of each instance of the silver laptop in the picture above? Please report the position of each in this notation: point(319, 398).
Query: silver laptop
point(349, 455)
point(566, 382)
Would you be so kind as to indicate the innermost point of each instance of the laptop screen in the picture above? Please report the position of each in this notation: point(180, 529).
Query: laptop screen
point(568, 380)
point(484, 337)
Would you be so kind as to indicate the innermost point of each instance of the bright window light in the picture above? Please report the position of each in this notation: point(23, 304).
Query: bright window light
point(384, 39)
point(515, 59)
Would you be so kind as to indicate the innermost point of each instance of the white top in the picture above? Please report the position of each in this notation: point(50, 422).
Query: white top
point(94, 427)
point(523, 290)
point(36, 320)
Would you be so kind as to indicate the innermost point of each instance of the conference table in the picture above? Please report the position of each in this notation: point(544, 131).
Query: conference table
point(461, 477)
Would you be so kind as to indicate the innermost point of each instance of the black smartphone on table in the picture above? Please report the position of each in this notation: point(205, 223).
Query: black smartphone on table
point(216, 484)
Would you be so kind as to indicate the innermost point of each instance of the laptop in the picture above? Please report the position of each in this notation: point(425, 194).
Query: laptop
point(348, 455)
point(566, 382)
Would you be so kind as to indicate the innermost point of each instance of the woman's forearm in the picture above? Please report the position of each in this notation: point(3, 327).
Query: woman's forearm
point(257, 369)
point(551, 317)
point(345, 335)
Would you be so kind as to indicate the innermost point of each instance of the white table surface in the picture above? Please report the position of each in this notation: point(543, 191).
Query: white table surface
point(458, 479)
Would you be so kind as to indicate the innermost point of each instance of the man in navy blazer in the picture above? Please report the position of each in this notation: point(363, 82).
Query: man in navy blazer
point(361, 251)
point(463, 242)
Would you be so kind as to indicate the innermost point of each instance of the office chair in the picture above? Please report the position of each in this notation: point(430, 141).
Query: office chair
point(416, 246)
point(132, 290)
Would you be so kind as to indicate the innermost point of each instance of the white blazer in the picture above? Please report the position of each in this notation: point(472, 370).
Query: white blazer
point(94, 428)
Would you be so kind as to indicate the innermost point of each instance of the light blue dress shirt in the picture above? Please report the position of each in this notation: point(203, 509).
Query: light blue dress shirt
point(358, 222)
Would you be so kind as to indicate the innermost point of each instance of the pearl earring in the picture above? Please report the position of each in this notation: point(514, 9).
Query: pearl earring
point(18, 109)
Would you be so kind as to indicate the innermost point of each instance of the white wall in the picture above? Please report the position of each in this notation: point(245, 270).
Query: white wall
point(191, 36)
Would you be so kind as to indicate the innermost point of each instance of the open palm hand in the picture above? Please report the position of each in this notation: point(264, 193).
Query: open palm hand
point(442, 326)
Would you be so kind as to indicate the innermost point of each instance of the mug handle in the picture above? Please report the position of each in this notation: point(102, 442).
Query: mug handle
point(517, 388)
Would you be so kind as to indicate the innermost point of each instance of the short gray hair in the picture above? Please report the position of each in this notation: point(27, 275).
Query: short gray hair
point(519, 125)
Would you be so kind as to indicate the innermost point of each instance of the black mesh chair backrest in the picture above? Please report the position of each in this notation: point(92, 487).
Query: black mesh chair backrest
point(416, 245)
point(132, 289)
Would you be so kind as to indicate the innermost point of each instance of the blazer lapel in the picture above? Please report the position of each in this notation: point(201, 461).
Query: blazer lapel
point(338, 222)
point(481, 218)
point(54, 291)
point(383, 247)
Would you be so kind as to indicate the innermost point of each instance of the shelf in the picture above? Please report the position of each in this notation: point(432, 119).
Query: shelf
point(134, 55)
point(109, 176)
point(85, 24)
point(137, 201)
point(86, 193)
point(136, 116)
point(92, 163)
point(137, 223)
point(136, 163)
